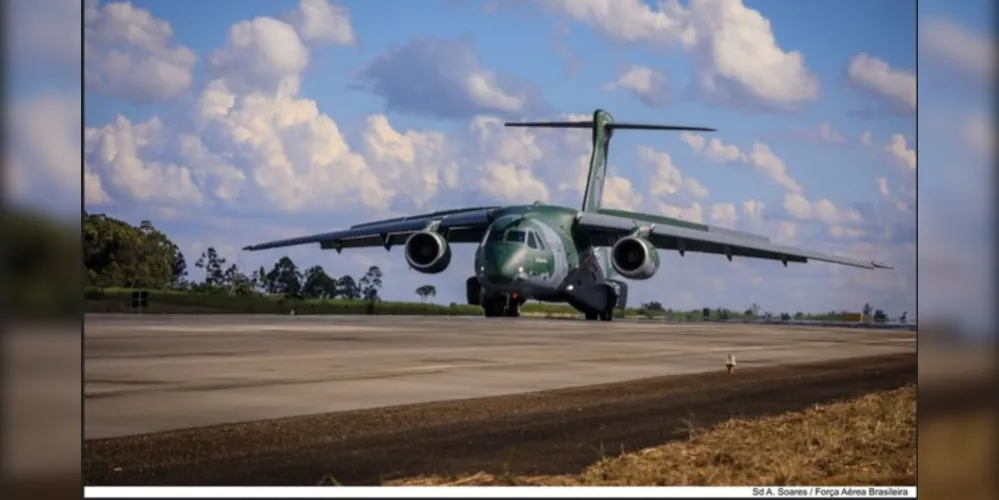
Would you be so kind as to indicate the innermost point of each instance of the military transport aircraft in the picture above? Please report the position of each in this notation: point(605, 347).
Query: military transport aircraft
point(557, 254)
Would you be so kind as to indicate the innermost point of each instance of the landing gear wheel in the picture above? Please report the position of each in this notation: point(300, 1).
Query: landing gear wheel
point(493, 308)
point(608, 313)
point(592, 316)
point(512, 310)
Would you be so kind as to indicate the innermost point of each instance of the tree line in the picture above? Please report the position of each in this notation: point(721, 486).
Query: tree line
point(868, 313)
point(117, 254)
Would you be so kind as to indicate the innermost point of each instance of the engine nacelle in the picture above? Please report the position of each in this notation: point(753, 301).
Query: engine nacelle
point(427, 252)
point(635, 258)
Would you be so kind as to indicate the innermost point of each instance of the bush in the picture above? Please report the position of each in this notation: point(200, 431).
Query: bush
point(115, 300)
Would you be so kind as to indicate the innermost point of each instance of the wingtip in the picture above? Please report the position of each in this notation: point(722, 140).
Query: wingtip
point(248, 248)
point(879, 265)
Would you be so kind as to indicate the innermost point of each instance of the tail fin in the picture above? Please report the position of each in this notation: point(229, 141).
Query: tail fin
point(603, 127)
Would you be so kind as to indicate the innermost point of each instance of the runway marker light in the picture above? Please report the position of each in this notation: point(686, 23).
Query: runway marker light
point(730, 363)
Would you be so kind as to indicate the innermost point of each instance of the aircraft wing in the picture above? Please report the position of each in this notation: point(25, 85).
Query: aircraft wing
point(606, 226)
point(464, 225)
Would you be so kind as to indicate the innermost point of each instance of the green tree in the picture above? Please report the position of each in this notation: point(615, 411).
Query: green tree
point(214, 267)
point(371, 283)
point(653, 306)
point(318, 284)
point(348, 287)
point(426, 291)
point(178, 268)
point(259, 279)
point(285, 278)
point(880, 316)
point(117, 254)
point(237, 281)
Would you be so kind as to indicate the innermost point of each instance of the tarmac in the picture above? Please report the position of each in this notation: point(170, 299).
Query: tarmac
point(146, 374)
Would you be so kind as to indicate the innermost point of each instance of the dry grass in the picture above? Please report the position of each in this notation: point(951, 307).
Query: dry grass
point(870, 440)
point(957, 456)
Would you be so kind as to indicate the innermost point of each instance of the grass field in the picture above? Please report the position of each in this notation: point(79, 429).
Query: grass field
point(870, 440)
point(119, 300)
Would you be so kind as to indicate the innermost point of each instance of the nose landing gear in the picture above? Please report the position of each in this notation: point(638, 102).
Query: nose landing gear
point(501, 306)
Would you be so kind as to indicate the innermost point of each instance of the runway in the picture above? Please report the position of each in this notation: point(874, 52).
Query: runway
point(159, 373)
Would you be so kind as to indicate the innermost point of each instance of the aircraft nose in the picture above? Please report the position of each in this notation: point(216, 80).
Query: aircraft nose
point(501, 267)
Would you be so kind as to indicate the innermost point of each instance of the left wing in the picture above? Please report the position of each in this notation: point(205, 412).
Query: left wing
point(606, 226)
point(463, 225)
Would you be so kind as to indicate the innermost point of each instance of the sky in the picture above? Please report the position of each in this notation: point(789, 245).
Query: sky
point(231, 123)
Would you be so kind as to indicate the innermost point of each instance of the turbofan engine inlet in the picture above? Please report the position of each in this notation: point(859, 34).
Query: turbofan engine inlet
point(635, 258)
point(427, 252)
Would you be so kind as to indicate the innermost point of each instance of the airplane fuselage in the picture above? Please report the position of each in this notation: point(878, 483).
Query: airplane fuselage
point(532, 252)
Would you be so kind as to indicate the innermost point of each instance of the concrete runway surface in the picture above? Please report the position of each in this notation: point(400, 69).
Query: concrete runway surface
point(158, 373)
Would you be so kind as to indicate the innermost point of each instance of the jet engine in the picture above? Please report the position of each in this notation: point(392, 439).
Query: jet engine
point(427, 252)
point(635, 258)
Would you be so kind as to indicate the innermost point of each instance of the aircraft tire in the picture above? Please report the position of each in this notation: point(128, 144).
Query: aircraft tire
point(608, 313)
point(592, 316)
point(493, 308)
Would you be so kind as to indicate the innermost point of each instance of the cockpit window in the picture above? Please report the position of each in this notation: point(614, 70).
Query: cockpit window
point(516, 236)
point(496, 236)
point(532, 241)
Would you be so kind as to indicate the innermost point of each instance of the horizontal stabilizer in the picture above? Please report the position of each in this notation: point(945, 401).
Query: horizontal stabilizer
point(609, 126)
point(586, 124)
point(641, 126)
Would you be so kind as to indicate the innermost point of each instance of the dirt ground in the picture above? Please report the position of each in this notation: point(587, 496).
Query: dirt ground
point(552, 433)
point(869, 440)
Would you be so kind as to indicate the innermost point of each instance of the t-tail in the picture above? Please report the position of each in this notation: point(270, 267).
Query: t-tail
point(602, 126)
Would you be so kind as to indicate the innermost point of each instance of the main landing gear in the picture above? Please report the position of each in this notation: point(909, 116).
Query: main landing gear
point(608, 313)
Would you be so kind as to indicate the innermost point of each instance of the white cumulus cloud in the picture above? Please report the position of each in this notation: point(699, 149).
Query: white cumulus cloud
point(264, 54)
point(646, 84)
point(901, 152)
point(667, 179)
point(322, 22)
point(691, 213)
point(875, 75)
point(724, 214)
point(738, 59)
point(822, 209)
point(129, 54)
point(761, 157)
point(116, 150)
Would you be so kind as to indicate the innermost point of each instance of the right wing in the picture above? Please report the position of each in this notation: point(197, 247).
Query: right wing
point(463, 225)
point(606, 225)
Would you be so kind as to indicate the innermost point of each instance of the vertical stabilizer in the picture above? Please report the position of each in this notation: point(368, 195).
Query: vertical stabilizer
point(593, 193)
point(603, 127)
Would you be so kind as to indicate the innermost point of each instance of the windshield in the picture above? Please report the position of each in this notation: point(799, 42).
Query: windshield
point(496, 236)
point(516, 236)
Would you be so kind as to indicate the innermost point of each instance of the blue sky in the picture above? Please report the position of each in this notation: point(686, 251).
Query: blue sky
point(237, 122)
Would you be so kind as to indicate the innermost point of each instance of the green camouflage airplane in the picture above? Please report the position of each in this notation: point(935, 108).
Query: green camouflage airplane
point(557, 254)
